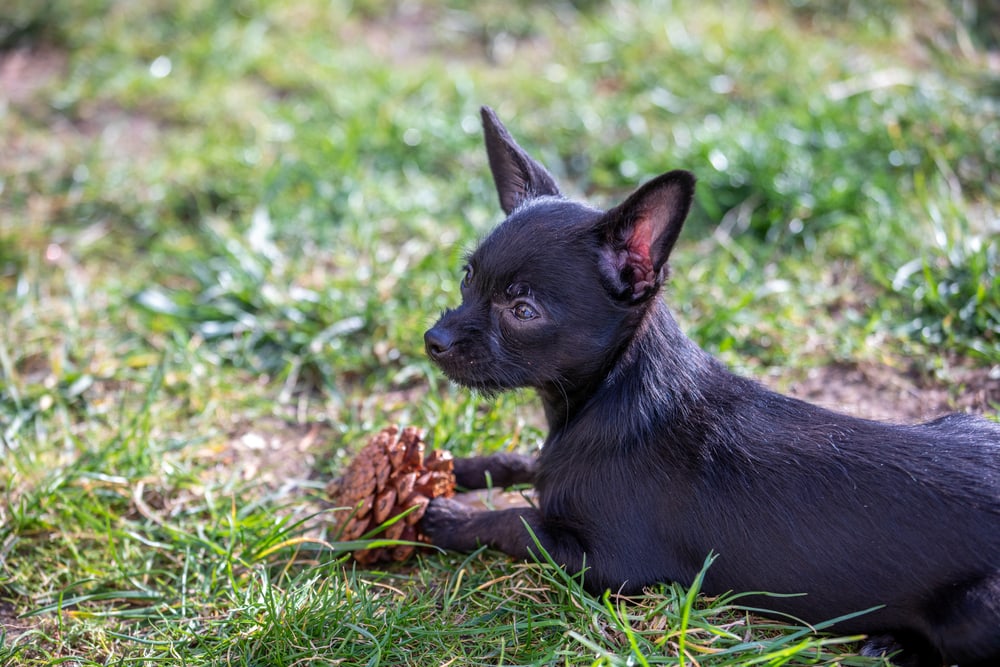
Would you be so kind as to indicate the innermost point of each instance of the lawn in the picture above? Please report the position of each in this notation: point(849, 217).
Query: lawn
point(224, 227)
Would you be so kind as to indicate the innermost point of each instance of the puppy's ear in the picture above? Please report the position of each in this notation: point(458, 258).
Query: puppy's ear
point(638, 235)
point(517, 176)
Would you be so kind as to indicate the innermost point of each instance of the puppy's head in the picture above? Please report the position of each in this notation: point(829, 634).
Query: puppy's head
point(554, 293)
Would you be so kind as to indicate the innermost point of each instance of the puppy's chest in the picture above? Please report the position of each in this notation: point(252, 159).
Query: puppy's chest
point(602, 496)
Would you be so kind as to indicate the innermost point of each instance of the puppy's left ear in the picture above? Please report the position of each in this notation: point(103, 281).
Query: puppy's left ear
point(517, 175)
point(638, 235)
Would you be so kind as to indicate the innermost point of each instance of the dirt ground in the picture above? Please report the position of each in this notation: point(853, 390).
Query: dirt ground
point(881, 392)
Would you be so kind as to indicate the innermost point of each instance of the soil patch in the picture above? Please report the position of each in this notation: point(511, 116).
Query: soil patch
point(12, 626)
point(275, 453)
point(26, 70)
point(875, 391)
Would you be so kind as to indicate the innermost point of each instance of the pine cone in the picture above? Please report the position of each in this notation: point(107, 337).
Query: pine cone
point(389, 476)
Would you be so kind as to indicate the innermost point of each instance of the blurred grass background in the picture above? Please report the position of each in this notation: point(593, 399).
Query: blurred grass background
point(224, 227)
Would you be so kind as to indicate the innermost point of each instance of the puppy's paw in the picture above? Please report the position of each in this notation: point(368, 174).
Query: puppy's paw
point(445, 523)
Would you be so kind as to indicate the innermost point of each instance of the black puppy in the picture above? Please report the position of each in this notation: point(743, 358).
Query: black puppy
point(657, 455)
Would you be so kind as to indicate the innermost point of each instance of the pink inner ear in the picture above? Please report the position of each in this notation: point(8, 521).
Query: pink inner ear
point(641, 238)
point(639, 256)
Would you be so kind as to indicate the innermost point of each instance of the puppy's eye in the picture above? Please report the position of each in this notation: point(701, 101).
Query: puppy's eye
point(467, 279)
point(524, 312)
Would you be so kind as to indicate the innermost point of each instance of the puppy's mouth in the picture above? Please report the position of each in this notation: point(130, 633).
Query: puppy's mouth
point(464, 364)
point(473, 374)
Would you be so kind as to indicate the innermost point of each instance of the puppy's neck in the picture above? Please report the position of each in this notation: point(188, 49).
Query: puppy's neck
point(658, 373)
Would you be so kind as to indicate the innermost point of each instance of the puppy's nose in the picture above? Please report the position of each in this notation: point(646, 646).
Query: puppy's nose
point(437, 342)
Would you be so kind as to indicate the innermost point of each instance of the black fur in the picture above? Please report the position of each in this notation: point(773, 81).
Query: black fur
point(657, 455)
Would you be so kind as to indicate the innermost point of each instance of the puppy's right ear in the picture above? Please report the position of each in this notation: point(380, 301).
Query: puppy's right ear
point(638, 235)
point(517, 176)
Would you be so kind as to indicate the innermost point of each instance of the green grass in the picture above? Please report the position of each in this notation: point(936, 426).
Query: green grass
point(225, 226)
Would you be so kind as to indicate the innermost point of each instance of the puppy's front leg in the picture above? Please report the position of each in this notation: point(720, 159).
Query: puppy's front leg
point(496, 470)
point(451, 525)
